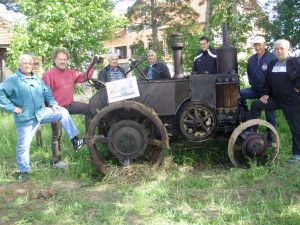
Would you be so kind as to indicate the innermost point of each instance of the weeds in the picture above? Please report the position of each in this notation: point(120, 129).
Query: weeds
point(195, 185)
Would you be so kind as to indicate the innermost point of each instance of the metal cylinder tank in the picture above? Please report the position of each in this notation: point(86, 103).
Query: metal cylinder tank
point(177, 44)
point(226, 55)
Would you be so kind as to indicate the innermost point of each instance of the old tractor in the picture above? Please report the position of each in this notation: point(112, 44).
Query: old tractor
point(197, 107)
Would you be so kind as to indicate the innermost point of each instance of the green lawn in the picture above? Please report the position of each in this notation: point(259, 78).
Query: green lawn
point(196, 185)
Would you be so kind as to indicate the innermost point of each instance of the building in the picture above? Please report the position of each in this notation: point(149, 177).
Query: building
point(5, 38)
point(128, 40)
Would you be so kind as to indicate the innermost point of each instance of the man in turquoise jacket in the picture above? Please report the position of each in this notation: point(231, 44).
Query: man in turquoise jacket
point(25, 94)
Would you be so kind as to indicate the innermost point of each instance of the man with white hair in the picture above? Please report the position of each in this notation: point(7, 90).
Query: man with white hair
point(257, 68)
point(283, 93)
point(112, 71)
point(156, 70)
point(25, 95)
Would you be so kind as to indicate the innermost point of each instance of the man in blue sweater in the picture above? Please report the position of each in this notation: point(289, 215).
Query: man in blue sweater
point(257, 68)
point(25, 95)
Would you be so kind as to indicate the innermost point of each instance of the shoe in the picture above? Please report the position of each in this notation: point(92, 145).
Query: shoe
point(22, 177)
point(294, 159)
point(60, 165)
point(78, 143)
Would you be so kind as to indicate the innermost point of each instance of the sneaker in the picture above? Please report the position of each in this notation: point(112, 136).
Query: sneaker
point(22, 176)
point(60, 165)
point(78, 143)
point(294, 159)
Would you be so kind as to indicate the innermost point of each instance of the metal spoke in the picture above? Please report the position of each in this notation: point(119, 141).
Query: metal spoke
point(99, 139)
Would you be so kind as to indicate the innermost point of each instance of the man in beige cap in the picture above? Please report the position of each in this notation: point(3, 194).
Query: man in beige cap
point(257, 74)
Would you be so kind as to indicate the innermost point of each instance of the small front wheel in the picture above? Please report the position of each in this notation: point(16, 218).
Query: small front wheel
point(255, 140)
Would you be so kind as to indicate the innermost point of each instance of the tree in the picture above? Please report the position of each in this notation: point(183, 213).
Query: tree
point(241, 16)
point(156, 14)
point(80, 26)
point(283, 21)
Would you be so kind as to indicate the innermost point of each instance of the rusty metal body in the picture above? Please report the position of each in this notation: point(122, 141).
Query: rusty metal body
point(197, 107)
point(220, 92)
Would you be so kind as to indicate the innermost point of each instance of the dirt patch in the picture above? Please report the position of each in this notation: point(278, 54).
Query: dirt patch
point(28, 190)
point(134, 219)
point(103, 193)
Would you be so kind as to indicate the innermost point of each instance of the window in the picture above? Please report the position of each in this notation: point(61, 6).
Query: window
point(121, 51)
point(135, 48)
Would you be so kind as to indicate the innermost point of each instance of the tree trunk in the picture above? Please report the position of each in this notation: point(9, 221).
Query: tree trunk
point(207, 16)
point(154, 25)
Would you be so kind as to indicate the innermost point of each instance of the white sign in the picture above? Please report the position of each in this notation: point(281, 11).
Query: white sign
point(122, 89)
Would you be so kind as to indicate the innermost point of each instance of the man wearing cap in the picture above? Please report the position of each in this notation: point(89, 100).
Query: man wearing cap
point(257, 75)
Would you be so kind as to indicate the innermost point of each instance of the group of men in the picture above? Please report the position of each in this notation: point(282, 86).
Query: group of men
point(274, 82)
point(155, 70)
point(35, 101)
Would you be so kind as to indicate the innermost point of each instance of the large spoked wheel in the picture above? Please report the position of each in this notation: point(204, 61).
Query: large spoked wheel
point(255, 140)
point(197, 122)
point(127, 128)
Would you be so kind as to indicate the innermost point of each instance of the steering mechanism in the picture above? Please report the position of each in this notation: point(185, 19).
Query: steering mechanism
point(134, 64)
point(95, 82)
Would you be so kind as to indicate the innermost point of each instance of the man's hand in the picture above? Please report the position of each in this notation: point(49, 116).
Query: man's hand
point(18, 110)
point(264, 98)
point(56, 107)
point(97, 60)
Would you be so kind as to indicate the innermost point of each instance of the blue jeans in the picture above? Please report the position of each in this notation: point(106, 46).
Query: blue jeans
point(26, 133)
point(250, 93)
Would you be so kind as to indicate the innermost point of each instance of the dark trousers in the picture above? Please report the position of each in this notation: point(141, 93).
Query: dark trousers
point(250, 93)
point(74, 108)
point(291, 113)
point(81, 108)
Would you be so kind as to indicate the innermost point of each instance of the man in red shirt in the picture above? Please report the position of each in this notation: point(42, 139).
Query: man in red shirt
point(61, 81)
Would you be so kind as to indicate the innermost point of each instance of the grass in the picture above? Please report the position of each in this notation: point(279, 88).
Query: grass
point(196, 185)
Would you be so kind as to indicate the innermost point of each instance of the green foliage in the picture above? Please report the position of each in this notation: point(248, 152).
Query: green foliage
point(240, 21)
point(154, 14)
point(283, 21)
point(80, 26)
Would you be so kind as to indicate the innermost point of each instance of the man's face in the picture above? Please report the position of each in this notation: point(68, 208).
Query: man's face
point(26, 65)
point(113, 61)
point(281, 51)
point(151, 58)
point(61, 60)
point(259, 48)
point(204, 45)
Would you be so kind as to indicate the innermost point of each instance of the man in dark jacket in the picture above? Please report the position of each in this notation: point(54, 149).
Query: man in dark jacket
point(113, 71)
point(283, 93)
point(206, 60)
point(257, 68)
point(156, 70)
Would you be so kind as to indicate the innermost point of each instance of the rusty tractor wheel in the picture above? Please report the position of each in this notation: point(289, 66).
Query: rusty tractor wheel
point(197, 122)
point(127, 128)
point(254, 140)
